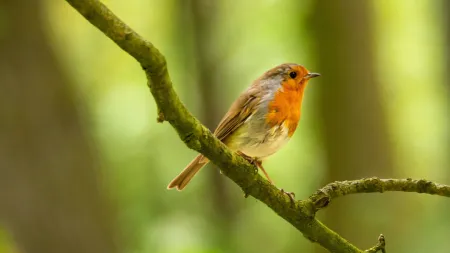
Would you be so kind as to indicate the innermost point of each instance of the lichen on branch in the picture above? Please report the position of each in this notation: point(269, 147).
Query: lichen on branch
point(322, 197)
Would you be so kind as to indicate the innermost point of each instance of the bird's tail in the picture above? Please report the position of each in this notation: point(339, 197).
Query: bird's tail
point(188, 173)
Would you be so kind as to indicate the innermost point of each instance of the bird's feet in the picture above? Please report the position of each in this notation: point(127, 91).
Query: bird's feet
point(253, 160)
point(291, 195)
point(256, 162)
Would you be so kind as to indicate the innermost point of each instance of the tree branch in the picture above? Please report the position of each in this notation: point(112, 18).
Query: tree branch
point(300, 214)
point(379, 247)
point(322, 197)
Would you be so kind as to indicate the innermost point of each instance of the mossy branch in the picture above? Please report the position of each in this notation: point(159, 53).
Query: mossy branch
point(322, 197)
point(300, 214)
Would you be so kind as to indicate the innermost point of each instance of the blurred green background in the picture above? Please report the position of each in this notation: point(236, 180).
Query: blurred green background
point(381, 108)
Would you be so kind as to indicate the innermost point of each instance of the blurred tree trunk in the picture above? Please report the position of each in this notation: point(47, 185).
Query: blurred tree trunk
point(447, 37)
point(446, 26)
point(351, 113)
point(49, 191)
point(204, 20)
point(204, 13)
point(447, 65)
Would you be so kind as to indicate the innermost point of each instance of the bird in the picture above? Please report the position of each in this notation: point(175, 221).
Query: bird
point(260, 121)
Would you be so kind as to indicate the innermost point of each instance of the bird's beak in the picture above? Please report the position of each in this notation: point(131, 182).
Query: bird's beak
point(312, 75)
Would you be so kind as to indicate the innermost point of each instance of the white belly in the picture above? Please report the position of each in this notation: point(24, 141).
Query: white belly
point(261, 145)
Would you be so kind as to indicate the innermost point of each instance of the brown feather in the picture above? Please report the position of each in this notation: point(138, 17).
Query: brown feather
point(239, 111)
point(188, 173)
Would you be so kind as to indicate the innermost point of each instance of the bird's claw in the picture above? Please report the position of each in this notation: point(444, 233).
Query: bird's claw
point(252, 160)
point(255, 163)
point(291, 195)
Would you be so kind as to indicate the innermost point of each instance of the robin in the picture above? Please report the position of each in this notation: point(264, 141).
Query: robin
point(260, 121)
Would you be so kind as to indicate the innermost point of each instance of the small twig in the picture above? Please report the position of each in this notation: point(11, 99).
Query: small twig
point(160, 118)
point(325, 195)
point(379, 247)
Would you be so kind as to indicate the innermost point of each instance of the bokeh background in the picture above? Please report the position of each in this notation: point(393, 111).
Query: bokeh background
point(84, 166)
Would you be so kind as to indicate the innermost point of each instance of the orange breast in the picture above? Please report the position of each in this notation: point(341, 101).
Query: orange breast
point(286, 107)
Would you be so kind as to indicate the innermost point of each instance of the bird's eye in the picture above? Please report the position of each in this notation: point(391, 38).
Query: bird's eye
point(293, 74)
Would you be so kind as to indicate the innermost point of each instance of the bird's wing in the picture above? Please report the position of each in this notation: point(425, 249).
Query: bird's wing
point(239, 111)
